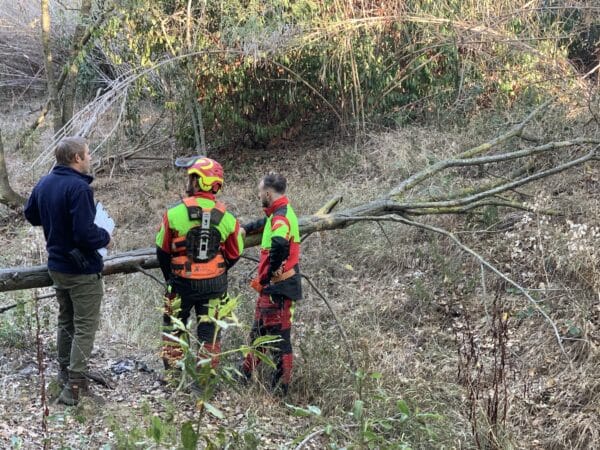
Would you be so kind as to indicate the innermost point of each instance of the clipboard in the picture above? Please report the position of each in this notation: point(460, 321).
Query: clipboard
point(103, 220)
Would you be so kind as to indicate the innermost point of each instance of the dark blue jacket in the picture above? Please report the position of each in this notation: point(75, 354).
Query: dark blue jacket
point(63, 204)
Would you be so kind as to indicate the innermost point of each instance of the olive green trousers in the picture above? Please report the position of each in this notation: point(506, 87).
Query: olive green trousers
point(79, 298)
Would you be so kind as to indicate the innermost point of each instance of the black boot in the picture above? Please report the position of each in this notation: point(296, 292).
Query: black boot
point(279, 388)
point(74, 389)
point(63, 376)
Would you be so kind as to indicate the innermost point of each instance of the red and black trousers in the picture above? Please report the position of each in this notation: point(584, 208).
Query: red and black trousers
point(273, 316)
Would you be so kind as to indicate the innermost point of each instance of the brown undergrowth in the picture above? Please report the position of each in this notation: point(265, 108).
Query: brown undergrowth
point(412, 304)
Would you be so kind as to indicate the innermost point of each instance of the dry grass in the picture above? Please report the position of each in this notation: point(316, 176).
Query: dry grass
point(400, 298)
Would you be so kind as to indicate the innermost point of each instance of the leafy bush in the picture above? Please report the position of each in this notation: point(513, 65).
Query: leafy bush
point(255, 71)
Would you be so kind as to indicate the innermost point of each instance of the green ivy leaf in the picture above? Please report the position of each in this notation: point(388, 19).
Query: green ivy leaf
point(403, 407)
point(214, 410)
point(189, 438)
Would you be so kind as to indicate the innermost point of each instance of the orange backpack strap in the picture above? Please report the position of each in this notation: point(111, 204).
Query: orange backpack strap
point(221, 206)
point(217, 213)
point(195, 211)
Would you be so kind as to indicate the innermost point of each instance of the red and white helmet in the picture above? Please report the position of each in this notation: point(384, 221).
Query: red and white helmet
point(209, 172)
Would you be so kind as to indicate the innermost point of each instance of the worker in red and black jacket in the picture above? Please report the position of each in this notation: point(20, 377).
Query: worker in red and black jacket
point(278, 282)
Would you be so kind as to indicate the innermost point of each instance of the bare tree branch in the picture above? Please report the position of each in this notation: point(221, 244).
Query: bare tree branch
point(504, 187)
point(515, 174)
point(426, 173)
point(479, 204)
point(481, 259)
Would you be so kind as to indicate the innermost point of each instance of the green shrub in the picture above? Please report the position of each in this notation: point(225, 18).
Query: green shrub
point(261, 70)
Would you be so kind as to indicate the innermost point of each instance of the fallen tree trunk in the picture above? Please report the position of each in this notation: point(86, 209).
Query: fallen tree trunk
point(37, 276)
point(17, 278)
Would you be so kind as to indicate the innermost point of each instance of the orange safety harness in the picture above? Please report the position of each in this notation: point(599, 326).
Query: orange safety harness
point(197, 255)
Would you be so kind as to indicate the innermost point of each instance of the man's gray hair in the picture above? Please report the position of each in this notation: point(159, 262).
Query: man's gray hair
point(67, 148)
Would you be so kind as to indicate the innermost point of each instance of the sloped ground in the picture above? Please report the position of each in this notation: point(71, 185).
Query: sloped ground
point(444, 352)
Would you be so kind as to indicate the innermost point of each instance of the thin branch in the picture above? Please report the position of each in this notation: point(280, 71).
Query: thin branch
point(515, 155)
point(387, 238)
point(148, 274)
point(122, 110)
point(505, 187)
point(479, 204)
point(353, 364)
point(37, 297)
point(8, 308)
point(308, 438)
point(417, 178)
point(515, 174)
point(481, 259)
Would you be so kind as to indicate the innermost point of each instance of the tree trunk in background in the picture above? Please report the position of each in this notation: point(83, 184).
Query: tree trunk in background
point(192, 90)
point(47, 47)
point(7, 195)
point(71, 81)
point(76, 48)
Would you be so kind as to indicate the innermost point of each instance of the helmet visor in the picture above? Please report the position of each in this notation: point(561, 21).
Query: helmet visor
point(185, 162)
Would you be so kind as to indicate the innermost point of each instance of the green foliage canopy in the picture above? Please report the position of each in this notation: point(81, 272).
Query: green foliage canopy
point(260, 70)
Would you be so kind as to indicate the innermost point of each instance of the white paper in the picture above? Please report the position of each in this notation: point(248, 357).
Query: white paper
point(103, 220)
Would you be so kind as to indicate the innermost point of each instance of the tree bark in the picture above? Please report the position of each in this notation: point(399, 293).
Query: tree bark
point(73, 68)
point(7, 195)
point(48, 64)
point(37, 276)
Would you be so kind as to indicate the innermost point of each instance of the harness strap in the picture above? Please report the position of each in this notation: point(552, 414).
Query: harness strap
point(195, 212)
point(187, 266)
point(197, 255)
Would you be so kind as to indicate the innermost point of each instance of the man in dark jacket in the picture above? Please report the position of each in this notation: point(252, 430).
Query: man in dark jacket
point(278, 283)
point(63, 204)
